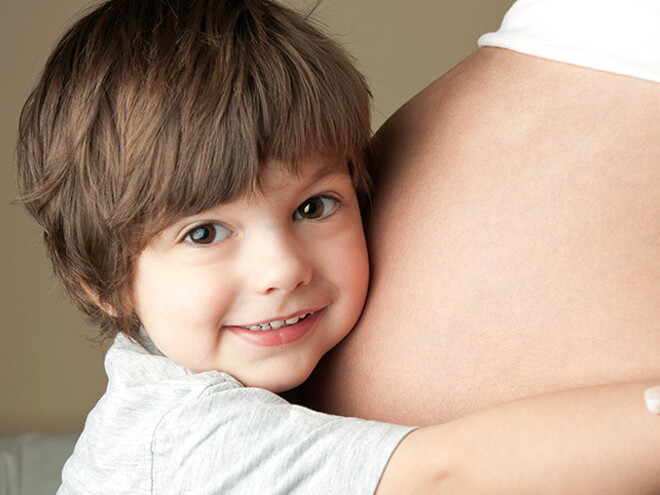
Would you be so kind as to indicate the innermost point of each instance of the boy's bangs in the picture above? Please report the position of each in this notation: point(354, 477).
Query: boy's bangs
point(233, 105)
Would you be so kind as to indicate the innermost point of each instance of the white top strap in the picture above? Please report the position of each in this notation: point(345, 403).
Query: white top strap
point(621, 36)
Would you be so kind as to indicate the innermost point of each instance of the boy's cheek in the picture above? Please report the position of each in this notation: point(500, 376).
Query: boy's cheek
point(170, 295)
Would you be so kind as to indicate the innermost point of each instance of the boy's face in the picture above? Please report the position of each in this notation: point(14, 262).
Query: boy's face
point(260, 287)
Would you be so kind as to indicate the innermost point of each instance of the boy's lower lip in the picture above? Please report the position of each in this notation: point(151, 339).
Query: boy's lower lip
point(284, 335)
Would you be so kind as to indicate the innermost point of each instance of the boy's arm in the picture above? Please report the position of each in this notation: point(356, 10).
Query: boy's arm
point(599, 440)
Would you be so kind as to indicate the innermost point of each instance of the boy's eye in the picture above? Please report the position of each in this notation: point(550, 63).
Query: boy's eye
point(316, 207)
point(207, 233)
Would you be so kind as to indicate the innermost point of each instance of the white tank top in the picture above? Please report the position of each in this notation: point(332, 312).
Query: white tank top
point(621, 36)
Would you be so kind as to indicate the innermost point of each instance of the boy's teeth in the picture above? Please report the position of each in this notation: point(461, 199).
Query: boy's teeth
point(277, 324)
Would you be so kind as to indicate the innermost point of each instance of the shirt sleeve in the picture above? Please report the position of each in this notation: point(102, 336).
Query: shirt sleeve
point(250, 441)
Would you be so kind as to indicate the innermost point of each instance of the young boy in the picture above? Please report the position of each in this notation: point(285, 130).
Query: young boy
point(197, 168)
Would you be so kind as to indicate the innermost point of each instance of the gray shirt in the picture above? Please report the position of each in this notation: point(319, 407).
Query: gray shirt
point(163, 429)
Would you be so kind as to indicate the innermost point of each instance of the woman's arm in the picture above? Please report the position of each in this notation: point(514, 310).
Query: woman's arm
point(599, 440)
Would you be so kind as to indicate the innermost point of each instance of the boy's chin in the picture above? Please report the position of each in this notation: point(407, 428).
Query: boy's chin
point(279, 383)
point(279, 386)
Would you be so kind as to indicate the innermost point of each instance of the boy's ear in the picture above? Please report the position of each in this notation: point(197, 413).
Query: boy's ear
point(94, 298)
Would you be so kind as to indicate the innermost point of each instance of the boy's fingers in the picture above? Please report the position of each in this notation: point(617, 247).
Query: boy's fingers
point(652, 397)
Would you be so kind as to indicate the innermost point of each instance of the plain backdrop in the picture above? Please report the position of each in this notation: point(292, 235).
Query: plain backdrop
point(51, 371)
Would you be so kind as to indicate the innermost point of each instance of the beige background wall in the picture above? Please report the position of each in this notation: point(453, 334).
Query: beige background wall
point(50, 373)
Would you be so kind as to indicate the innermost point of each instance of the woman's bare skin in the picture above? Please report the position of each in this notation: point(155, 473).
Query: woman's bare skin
point(515, 243)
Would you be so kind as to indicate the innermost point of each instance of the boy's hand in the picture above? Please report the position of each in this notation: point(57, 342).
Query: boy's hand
point(652, 397)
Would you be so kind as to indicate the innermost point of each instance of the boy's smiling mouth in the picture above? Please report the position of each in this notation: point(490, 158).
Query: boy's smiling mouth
point(285, 330)
point(276, 324)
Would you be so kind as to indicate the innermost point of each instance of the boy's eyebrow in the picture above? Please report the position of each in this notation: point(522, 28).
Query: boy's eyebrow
point(330, 168)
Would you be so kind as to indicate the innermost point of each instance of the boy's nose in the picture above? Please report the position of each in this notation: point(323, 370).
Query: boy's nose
point(279, 263)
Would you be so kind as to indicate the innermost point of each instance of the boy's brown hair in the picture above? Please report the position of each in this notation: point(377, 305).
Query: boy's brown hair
point(149, 110)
